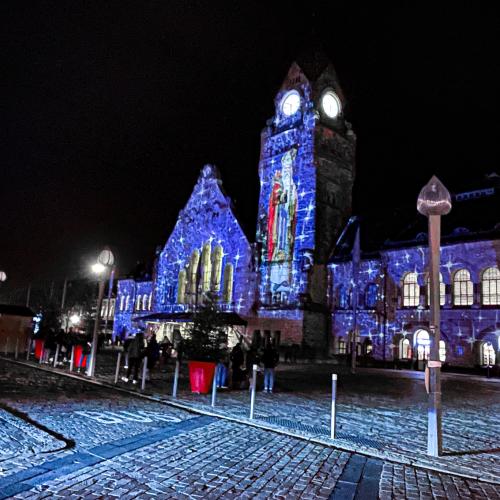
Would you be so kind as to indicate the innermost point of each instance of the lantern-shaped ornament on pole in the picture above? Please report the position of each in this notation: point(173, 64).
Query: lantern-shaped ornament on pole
point(433, 202)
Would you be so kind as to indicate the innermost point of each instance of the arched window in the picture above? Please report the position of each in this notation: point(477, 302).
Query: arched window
point(343, 297)
point(122, 302)
point(145, 300)
point(490, 286)
point(206, 266)
point(138, 303)
point(127, 302)
point(462, 288)
point(227, 296)
point(442, 291)
point(488, 355)
point(193, 272)
point(371, 295)
point(112, 308)
point(404, 349)
point(442, 351)
point(181, 287)
point(217, 255)
point(150, 301)
point(423, 344)
point(411, 290)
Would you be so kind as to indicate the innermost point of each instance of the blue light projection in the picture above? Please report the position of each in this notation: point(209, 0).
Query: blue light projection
point(208, 250)
point(463, 328)
point(286, 219)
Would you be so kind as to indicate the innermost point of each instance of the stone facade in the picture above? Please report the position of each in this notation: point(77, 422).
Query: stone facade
point(284, 286)
point(393, 311)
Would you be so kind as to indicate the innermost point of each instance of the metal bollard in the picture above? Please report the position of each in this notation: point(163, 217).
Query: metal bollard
point(117, 371)
point(144, 371)
point(176, 379)
point(28, 350)
point(16, 352)
point(254, 385)
point(56, 355)
point(214, 388)
point(42, 354)
point(72, 359)
point(334, 398)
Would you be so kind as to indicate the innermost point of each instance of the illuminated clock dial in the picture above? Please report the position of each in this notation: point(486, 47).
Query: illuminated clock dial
point(330, 104)
point(290, 103)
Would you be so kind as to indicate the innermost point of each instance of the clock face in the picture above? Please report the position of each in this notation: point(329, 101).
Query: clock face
point(290, 103)
point(330, 104)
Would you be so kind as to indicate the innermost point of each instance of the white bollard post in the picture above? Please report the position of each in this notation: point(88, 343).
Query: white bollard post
point(16, 352)
point(144, 370)
point(72, 359)
point(252, 394)
point(334, 398)
point(56, 355)
point(117, 371)
point(42, 354)
point(176, 379)
point(214, 387)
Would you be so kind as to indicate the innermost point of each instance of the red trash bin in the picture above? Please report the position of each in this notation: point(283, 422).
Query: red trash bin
point(39, 343)
point(201, 375)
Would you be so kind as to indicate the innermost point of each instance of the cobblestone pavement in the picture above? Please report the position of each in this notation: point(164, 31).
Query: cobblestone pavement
point(379, 412)
point(136, 448)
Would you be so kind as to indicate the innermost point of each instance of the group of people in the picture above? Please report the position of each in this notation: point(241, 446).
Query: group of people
point(241, 364)
point(136, 349)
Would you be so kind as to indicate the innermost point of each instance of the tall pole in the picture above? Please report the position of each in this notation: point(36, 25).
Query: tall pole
point(110, 289)
point(63, 299)
point(95, 336)
point(356, 256)
point(434, 434)
point(434, 201)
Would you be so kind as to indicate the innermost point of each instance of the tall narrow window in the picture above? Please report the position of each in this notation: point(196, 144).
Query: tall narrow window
point(371, 295)
point(442, 351)
point(411, 290)
point(181, 287)
point(405, 349)
point(122, 302)
point(442, 291)
point(490, 286)
point(423, 344)
point(127, 302)
point(193, 276)
point(462, 288)
point(150, 301)
point(138, 303)
point(145, 300)
point(228, 283)
point(216, 268)
point(112, 308)
point(206, 266)
point(488, 355)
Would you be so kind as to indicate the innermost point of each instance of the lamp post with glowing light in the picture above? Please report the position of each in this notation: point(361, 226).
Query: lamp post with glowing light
point(3, 276)
point(433, 202)
point(104, 262)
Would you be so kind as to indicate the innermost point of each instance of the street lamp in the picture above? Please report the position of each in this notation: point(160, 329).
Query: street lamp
point(105, 261)
point(3, 276)
point(433, 202)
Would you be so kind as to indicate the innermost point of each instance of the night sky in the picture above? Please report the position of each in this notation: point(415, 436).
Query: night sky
point(110, 110)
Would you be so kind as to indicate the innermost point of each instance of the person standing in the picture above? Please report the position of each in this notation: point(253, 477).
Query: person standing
point(221, 369)
point(270, 359)
point(135, 355)
point(252, 358)
point(237, 359)
point(152, 353)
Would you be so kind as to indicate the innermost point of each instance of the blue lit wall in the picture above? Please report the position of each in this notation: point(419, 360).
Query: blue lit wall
point(462, 327)
point(125, 316)
point(207, 217)
point(286, 166)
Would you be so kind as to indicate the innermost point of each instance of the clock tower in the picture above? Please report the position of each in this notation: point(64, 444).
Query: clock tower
point(306, 171)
